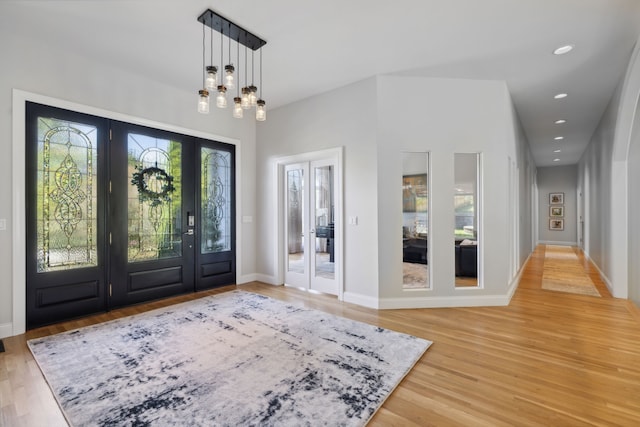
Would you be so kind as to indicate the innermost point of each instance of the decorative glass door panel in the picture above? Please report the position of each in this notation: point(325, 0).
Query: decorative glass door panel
point(67, 200)
point(215, 169)
point(154, 198)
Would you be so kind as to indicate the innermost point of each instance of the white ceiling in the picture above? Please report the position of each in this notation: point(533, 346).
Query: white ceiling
point(314, 47)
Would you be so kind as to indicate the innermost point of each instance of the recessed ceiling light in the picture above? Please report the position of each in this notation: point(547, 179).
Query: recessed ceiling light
point(560, 96)
point(559, 138)
point(561, 121)
point(556, 160)
point(563, 49)
point(557, 151)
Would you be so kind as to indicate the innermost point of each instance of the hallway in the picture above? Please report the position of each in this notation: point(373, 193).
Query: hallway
point(548, 358)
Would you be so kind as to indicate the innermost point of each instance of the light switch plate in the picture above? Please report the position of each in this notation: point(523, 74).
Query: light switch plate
point(3, 224)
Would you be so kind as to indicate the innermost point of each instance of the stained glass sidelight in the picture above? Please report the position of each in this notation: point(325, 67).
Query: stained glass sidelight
point(66, 195)
point(216, 200)
point(154, 199)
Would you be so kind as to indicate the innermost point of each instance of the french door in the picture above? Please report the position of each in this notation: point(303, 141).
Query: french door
point(120, 214)
point(310, 238)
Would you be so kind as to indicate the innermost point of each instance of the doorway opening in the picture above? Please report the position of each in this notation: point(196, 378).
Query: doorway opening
point(310, 252)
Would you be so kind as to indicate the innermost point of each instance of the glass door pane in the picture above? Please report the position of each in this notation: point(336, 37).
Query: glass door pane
point(155, 198)
point(295, 220)
point(215, 201)
point(66, 195)
point(324, 223)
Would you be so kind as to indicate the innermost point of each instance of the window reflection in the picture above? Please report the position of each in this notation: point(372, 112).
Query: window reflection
point(465, 202)
point(415, 220)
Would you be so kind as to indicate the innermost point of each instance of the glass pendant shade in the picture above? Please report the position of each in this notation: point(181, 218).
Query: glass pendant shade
point(253, 98)
point(203, 101)
point(221, 99)
point(237, 107)
point(245, 101)
point(211, 81)
point(228, 78)
point(261, 110)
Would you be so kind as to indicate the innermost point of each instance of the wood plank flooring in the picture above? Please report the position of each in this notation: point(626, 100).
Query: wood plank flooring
point(547, 359)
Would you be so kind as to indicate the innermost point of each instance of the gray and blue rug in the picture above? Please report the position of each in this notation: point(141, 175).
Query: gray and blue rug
point(234, 359)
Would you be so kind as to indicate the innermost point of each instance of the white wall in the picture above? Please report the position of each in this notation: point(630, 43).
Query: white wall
point(558, 179)
point(342, 118)
point(608, 173)
point(447, 116)
point(37, 66)
point(459, 116)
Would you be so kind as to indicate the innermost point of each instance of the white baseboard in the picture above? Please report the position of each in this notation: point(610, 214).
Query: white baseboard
point(445, 302)
point(6, 330)
point(513, 286)
point(246, 278)
point(363, 300)
point(603, 276)
point(559, 243)
point(257, 277)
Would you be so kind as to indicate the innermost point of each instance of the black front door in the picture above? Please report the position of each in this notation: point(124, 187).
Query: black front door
point(65, 200)
point(151, 214)
point(120, 214)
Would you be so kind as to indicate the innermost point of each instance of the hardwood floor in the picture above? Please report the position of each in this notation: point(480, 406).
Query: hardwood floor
point(549, 358)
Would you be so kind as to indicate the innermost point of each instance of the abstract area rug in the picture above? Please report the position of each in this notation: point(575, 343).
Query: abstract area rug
point(563, 272)
point(232, 359)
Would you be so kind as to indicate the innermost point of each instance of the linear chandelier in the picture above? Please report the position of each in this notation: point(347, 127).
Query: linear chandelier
point(221, 78)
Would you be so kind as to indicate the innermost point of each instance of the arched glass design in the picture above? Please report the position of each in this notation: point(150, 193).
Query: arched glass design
point(215, 201)
point(66, 196)
point(155, 198)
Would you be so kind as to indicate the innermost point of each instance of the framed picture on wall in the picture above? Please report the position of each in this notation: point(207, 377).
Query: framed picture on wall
point(556, 224)
point(556, 211)
point(556, 198)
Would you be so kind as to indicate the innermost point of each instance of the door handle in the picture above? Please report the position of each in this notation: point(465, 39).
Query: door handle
point(189, 232)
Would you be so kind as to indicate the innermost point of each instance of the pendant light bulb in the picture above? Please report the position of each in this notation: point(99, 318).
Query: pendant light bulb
point(228, 78)
point(261, 110)
point(237, 107)
point(245, 101)
point(253, 97)
point(211, 82)
point(221, 99)
point(203, 101)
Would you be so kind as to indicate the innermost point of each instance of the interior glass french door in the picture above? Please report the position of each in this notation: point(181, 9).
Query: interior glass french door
point(310, 224)
point(119, 214)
